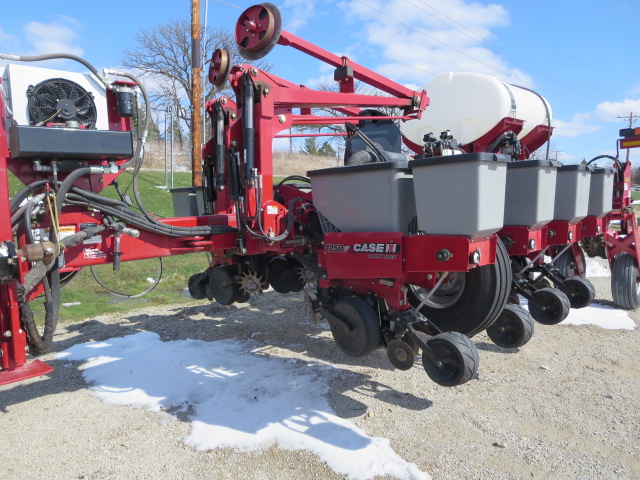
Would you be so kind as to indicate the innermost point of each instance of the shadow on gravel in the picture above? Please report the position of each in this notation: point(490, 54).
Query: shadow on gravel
point(492, 347)
point(276, 323)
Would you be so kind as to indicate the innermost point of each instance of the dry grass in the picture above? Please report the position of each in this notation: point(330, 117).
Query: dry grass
point(284, 163)
point(154, 156)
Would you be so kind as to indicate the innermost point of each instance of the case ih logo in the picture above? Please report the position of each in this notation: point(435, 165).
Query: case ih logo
point(364, 248)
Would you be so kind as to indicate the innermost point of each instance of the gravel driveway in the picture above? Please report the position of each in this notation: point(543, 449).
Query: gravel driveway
point(565, 406)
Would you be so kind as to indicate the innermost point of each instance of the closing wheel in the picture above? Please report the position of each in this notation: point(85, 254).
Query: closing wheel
point(400, 354)
point(466, 302)
point(359, 335)
point(513, 328)
point(566, 263)
point(549, 306)
point(580, 291)
point(258, 30)
point(457, 359)
point(625, 287)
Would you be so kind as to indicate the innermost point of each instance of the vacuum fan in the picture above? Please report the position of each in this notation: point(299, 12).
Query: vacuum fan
point(58, 100)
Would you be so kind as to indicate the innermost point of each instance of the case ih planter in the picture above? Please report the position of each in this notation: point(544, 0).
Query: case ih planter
point(381, 252)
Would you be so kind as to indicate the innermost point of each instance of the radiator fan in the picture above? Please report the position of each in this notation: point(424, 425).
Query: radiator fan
point(58, 100)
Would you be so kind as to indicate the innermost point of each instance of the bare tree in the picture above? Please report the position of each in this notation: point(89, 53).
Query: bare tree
point(162, 55)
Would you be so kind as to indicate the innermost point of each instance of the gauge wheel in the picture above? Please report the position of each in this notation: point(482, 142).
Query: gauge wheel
point(549, 306)
point(359, 332)
point(580, 291)
point(513, 328)
point(456, 359)
point(566, 263)
point(466, 302)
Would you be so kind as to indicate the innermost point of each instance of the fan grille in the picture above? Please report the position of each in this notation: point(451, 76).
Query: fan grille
point(58, 100)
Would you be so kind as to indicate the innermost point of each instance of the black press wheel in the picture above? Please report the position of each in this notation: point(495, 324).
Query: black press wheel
point(566, 263)
point(513, 328)
point(359, 335)
point(549, 306)
point(624, 282)
point(580, 291)
point(457, 359)
point(466, 302)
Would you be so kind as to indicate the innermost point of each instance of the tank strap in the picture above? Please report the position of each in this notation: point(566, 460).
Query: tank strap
point(513, 100)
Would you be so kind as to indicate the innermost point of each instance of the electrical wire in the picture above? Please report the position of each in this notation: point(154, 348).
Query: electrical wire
point(154, 283)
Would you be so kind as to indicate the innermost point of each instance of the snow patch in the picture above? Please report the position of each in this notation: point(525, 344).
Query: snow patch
point(239, 399)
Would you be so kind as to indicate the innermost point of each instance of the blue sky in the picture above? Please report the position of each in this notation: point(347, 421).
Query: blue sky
point(580, 55)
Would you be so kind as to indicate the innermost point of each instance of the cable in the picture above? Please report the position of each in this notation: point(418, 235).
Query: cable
point(53, 56)
point(154, 284)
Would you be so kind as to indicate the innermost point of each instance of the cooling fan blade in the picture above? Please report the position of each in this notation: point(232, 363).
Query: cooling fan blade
point(58, 100)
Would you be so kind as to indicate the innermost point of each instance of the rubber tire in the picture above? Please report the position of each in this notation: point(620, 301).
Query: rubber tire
point(513, 328)
point(565, 263)
point(582, 292)
point(486, 291)
point(554, 299)
point(624, 285)
point(459, 356)
point(197, 285)
point(218, 275)
point(360, 316)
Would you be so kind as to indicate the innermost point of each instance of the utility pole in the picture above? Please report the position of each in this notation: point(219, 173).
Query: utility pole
point(196, 95)
point(557, 152)
point(632, 118)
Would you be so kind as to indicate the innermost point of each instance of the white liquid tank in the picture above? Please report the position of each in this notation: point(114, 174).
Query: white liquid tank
point(469, 105)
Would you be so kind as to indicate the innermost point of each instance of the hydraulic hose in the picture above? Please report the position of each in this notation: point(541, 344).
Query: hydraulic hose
point(53, 56)
point(352, 129)
point(40, 344)
point(615, 159)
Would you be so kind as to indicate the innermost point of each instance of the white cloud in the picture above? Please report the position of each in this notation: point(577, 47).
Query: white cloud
point(298, 13)
point(8, 41)
point(53, 37)
point(610, 111)
point(587, 123)
point(579, 124)
point(418, 43)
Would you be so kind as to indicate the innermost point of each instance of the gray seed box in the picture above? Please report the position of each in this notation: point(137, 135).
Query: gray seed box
point(531, 192)
point(601, 191)
point(375, 197)
point(460, 194)
point(188, 201)
point(572, 193)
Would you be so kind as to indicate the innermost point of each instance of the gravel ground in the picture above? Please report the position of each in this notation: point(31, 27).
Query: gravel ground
point(565, 406)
